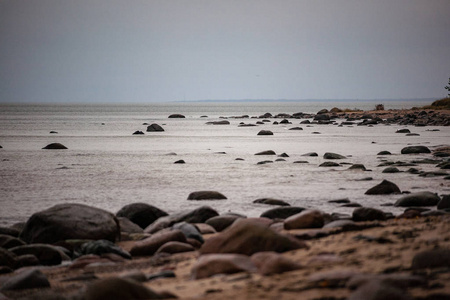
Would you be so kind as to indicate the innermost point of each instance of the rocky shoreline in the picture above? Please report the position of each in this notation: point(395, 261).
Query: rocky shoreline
point(75, 251)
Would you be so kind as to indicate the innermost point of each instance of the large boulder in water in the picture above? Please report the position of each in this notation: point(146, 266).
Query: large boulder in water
point(384, 188)
point(55, 146)
point(206, 195)
point(176, 116)
point(198, 215)
point(70, 221)
point(249, 237)
point(142, 214)
point(415, 150)
point(418, 199)
point(154, 127)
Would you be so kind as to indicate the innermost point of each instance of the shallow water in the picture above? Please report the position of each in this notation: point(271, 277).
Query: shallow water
point(107, 167)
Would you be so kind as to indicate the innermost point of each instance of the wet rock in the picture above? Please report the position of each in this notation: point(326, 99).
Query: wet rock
point(376, 290)
point(340, 201)
point(28, 279)
point(321, 118)
point(175, 247)
point(150, 245)
point(101, 247)
point(418, 199)
point(296, 128)
point(162, 274)
point(271, 201)
point(138, 132)
point(190, 231)
point(281, 212)
point(305, 219)
point(119, 289)
point(8, 259)
point(198, 215)
point(249, 237)
point(222, 122)
point(310, 154)
point(154, 128)
point(368, 214)
point(176, 116)
point(46, 254)
point(219, 223)
point(180, 162)
point(205, 228)
point(10, 231)
point(412, 134)
point(264, 162)
point(346, 225)
point(268, 152)
point(330, 155)
point(141, 214)
point(444, 203)
point(384, 153)
point(7, 241)
point(70, 221)
point(283, 155)
point(391, 170)
point(403, 131)
point(206, 195)
point(269, 263)
point(301, 162)
point(265, 132)
point(357, 167)
point(213, 264)
point(415, 150)
point(329, 164)
point(126, 226)
point(55, 146)
point(384, 188)
point(351, 204)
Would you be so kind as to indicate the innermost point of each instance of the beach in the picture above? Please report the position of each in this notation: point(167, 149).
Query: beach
point(306, 186)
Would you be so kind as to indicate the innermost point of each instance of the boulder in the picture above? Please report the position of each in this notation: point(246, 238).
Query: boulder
point(219, 223)
point(175, 247)
point(269, 263)
point(222, 122)
point(138, 132)
point(281, 212)
point(151, 244)
point(190, 231)
point(206, 195)
point(180, 162)
point(270, 201)
point(8, 259)
point(70, 221)
point(415, 150)
point(391, 170)
point(384, 188)
point(126, 226)
point(142, 214)
point(268, 152)
point(7, 241)
point(198, 215)
point(444, 203)
point(429, 259)
point(100, 247)
point(357, 167)
point(384, 153)
point(305, 219)
point(248, 237)
point(265, 132)
point(404, 130)
point(213, 264)
point(329, 164)
point(176, 116)
point(47, 255)
point(330, 155)
point(368, 214)
point(154, 127)
point(119, 289)
point(28, 279)
point(55, 146)
point(14, 232)
point(418, 199)
point(310, 154)
point(296, 128)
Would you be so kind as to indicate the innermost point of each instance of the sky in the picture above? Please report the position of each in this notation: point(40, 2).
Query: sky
point(139, 51)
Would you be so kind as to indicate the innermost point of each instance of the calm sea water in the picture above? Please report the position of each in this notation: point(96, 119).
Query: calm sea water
point(108, 167)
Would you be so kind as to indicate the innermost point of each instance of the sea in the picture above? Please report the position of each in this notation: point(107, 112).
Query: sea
point(108, 167)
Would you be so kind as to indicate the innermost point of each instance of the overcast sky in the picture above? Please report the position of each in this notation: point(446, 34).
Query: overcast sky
point(167, 50)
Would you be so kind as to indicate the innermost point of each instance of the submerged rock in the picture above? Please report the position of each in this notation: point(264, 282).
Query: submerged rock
point(154, 127)
point(418, 199)
point(329, 155)
point(265, 132)
point(176, 116)
point(267, 152)
point(271, 201)
point(415, 150)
